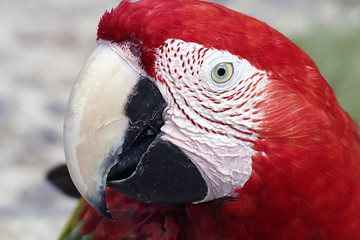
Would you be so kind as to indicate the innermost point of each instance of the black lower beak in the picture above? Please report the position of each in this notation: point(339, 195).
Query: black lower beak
point(149, 168)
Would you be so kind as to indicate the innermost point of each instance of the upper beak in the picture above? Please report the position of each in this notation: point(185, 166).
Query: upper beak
point(112, 135)
point(95, 122)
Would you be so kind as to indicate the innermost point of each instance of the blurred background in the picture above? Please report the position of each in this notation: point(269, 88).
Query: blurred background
point(43, 45)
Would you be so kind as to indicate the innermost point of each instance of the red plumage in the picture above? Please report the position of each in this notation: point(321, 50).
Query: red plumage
point(214, 26)
point(133, 220)
point(305, 182)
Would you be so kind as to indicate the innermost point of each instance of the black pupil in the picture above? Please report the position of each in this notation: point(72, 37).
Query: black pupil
point(221, 72)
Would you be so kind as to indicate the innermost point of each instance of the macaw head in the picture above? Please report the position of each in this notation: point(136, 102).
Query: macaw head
point(178, 99)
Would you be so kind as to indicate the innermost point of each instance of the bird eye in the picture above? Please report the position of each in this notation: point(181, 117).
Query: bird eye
point(222, 72)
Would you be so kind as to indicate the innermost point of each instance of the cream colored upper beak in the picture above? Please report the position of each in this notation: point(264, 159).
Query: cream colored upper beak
point(95, 122)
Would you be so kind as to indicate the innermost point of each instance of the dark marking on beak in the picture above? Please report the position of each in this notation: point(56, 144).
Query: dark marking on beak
point(150, 168)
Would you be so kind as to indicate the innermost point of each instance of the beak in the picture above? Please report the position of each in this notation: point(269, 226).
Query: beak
point(112, 135)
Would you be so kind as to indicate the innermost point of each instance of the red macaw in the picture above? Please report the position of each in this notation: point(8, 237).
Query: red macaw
point(205, 123)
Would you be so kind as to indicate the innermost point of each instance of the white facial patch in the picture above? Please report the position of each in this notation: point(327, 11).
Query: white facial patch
point(213, 123)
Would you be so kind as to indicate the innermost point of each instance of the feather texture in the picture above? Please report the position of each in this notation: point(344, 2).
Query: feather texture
point(305, 182)
point(132, 220)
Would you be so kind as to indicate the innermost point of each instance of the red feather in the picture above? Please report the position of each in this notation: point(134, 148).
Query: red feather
point(133, 220)
point(306, 175)
point(151, 22)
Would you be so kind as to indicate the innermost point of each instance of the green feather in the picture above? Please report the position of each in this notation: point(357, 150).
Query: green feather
point(72, 228)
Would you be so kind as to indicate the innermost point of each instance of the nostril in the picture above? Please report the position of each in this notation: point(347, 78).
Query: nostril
point(135, 50)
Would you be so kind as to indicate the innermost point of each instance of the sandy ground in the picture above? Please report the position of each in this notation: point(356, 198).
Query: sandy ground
point(43, 45)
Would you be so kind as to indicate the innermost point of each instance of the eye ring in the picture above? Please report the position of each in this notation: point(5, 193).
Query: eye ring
point(222, 72)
